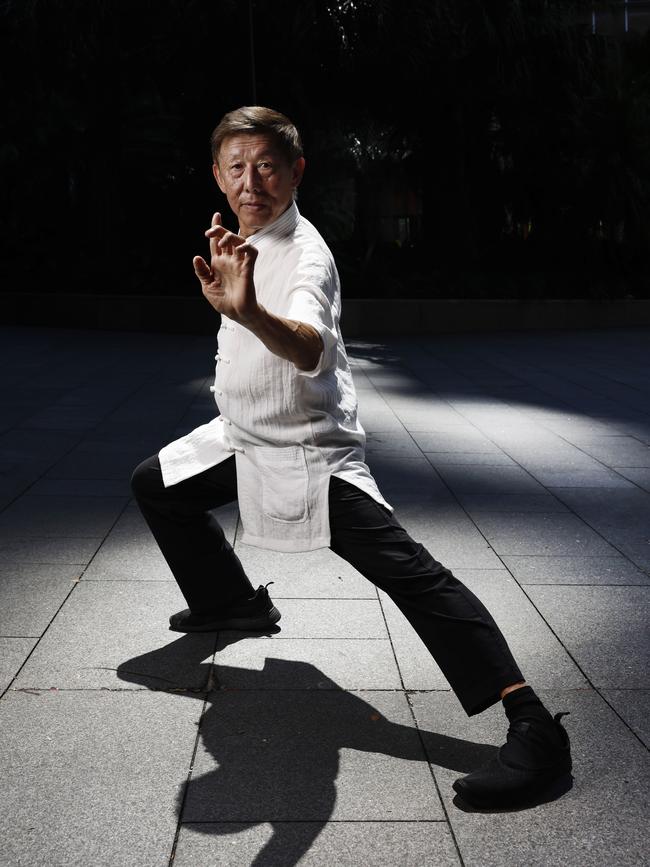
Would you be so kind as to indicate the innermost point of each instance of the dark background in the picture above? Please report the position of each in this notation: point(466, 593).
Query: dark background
point(454, 149)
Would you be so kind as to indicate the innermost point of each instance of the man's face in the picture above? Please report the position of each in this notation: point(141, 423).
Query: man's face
point(256, 179)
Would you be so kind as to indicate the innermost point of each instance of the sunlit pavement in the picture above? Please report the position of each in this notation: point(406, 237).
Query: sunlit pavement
point(521, 461)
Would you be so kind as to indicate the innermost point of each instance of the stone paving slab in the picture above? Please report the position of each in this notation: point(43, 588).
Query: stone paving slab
point(595, 477)
point(540, 656)
point(57, 516)
point(485, 459)
point(313, 844)
point(617, 451)
point(30, 595)
point(130, 551)
point(73, 551)
point(596, 823)
point(527, 533)
point(105, 624)
point(634, 706)
point(93, 777)
point(640, 476)
point(309, 663)
point(310, 756)
point(81, 488)
point(319, 574)
point(104, 458)
point(458, 440)
point(477, 503)
point(13, 652)
point(604, 629)
point(489, 480)
point(540, 569)
point(332, 618)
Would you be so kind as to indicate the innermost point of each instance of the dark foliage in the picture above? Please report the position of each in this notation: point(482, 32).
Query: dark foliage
point(454, 148)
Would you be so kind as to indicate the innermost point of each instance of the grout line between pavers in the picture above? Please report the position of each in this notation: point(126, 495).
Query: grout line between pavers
point(316, 821)
point(172, 854)
point(75, 583)
point(420, 736)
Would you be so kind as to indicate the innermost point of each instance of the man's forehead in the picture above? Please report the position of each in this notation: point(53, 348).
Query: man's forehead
point(246, 144)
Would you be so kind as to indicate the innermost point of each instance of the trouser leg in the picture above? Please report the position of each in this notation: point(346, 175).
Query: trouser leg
point(453, 623)
point(207, 570)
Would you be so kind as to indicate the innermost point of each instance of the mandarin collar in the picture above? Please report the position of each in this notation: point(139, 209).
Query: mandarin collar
point(280, 228)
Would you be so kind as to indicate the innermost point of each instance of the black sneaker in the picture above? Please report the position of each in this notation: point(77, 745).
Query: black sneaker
point(502, 785)
point(256, 613)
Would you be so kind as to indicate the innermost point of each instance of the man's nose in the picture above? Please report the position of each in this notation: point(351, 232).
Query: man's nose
point(252, 181)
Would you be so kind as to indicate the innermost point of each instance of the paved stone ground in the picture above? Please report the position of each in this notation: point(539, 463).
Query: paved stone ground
point(521, 460)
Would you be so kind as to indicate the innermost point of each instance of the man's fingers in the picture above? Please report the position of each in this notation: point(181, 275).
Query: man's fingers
point(213, 233)
point(246, 250)
point(201, 269)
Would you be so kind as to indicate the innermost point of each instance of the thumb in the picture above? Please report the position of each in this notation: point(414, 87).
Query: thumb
point(201, 269)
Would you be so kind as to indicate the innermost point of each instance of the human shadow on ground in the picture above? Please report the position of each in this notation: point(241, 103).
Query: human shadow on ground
point(275, 737)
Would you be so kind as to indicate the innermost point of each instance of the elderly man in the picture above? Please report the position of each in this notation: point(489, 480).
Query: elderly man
point(288, 445)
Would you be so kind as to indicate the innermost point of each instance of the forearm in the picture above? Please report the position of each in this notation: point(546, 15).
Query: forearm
point(288, 338)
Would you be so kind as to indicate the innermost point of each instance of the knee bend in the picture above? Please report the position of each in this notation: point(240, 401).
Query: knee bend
point(146, 478)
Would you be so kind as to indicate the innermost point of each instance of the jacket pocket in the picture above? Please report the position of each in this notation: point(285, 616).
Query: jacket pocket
point(285, 482)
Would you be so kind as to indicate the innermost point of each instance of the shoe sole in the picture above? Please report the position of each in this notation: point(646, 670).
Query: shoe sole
point(526, 798)
point(243, 624)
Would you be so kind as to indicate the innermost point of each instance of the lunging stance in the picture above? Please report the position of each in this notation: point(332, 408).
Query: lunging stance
point(288, 446)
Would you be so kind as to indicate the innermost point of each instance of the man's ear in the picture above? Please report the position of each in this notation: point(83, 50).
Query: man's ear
point(298, 170)
point(217, 176)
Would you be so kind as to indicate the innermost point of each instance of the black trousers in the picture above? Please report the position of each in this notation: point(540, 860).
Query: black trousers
point(455, 626)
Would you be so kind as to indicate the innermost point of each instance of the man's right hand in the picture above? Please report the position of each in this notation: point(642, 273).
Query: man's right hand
point(227, 282)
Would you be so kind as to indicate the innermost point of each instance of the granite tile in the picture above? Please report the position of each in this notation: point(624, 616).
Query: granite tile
point(93, 777)
point(331, 618)
point(313, 756)
point(596, 477)
point(131, 553)
point(542, 569)
point(485, 459)
point(604, 629)
point(640, 476)
point(634, 706)
point(489, 480)
point(476, 503)
point(102, 639)
point(391, 444)
point(595, 823)
point(530, 533)
point(73, 551)
point(81, 488)
point(13, 653)
point(314, 844)
point(459, 440)
point(617, 451)
point(319, 574)
point(56, 516)
point(30, 595)
point(273, 663)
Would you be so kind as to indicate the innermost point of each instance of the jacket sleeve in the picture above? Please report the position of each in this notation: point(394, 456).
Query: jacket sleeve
point(315, 300)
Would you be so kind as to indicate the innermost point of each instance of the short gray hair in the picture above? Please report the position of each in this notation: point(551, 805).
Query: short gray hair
point(250, 119)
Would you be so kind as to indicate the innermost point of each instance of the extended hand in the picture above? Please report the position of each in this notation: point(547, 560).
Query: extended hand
point(227, 282)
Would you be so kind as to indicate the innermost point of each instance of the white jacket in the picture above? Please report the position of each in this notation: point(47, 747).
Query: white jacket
point(288, 429)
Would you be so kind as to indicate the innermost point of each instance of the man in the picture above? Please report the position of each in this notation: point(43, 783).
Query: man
point(287, 444)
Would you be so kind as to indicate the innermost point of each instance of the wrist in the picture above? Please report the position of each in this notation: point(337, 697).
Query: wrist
point(254, 319)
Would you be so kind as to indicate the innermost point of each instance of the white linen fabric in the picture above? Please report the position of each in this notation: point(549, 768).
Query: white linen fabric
point(289, 429)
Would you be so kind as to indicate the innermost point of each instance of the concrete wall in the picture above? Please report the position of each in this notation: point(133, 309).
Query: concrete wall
point(361, 317)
